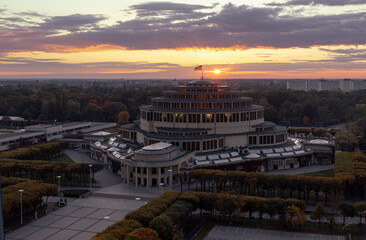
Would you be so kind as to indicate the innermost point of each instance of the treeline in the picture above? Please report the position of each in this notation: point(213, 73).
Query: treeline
point(95, 103)
point(20, 163)
point(350, 169)
point(249, 183)
point(98, 103)
point(40, 151)
point(47, 171)
point(305, 108)
point(33, 194)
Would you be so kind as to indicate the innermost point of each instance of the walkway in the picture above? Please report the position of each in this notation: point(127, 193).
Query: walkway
point(302, 170)
point(219, 232)
point(105, 178)
point(80, 220)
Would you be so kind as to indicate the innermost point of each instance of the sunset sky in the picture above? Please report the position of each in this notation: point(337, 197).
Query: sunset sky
point(155, 39)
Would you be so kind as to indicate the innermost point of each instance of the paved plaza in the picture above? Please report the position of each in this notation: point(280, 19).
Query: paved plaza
point(219, 232)
point(80, 220)
point(302, 170)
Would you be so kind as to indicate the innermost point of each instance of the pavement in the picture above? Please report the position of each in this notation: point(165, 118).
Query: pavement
point(219, 232)
point(105, 177)
point(79, 220)
point(302, 170)
point(82, 218)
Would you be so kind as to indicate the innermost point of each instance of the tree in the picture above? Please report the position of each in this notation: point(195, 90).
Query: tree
point(163, 225)
point(123, 117)
point(360, 210)
point(143, 234)
point(346, 209)
point(295, 216)
point(318, 213)
point(226, 204)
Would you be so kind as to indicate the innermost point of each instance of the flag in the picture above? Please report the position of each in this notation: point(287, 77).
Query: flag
point(198, 68)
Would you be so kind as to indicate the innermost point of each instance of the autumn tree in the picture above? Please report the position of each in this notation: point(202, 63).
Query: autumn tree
point(295, 216)
point(123, 117)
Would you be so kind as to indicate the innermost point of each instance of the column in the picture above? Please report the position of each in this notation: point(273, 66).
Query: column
point(136, 176)
point(147, 177)
point(127, 174)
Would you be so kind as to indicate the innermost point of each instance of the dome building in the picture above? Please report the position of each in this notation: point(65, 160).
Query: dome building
point(203, 125)
point(204, 116)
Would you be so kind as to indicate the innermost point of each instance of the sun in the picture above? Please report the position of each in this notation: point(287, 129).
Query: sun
point(217, 71)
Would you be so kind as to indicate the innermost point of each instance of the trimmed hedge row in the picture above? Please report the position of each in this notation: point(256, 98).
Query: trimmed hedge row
point(47, 170)
point(39, 151)
point(33, 194)
point(139, 218)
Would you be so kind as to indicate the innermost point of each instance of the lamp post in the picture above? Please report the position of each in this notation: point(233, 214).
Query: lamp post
point(90, 176)
point(59, 190)
point(170, 178)
point(161, 188)
point(21, 206)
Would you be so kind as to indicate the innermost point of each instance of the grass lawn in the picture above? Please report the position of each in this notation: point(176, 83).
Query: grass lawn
point(325, 173)
point(63, 158)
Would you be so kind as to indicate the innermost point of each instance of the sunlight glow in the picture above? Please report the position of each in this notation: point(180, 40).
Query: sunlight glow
point(217, 71)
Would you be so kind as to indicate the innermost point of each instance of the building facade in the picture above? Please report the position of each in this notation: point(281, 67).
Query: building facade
point(204, 116)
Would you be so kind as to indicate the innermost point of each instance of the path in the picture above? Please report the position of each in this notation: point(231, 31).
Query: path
point(219, 232)
point(302, 170)
point(105, 177)
point(79, 220)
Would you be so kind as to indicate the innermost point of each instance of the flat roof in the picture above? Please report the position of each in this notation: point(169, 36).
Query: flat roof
point(20, 134)
point(157, 146)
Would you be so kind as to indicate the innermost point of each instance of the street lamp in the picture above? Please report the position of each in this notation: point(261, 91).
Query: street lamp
point(21, 206)
point(59, 190)
point(161, 187)
point(170, 178)
point(90, 176)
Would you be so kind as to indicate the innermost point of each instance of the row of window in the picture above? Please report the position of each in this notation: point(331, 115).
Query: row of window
point(166, 133)
point(129, 135)
point(267, 139)
point(202, 96)
point(201, 105)
point(204, 89)
point(202, 118)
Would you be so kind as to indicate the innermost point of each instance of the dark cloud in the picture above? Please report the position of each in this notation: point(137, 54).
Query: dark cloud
point(165, 25)
point(345, 55)
point(71, 22)
point(319, 2)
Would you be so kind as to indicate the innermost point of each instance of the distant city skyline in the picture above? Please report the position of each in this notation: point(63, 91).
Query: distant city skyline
point(156, 39)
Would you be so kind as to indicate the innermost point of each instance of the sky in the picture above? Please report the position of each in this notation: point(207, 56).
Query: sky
point(115, 39)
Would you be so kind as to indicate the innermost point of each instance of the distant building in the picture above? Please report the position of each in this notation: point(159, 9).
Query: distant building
point(344, 85)
point(48, 132)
